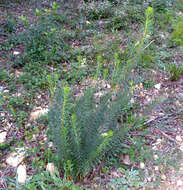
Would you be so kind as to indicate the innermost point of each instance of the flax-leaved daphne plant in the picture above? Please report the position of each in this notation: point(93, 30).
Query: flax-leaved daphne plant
point(85, 130)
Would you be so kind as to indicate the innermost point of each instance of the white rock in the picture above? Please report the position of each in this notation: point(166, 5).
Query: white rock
point(39, 97)
point(154, 147)
point(156, 168)
point(16, 53)
point(181, 147)
point(37, 112)
point(142, 165)
point(155, 157)
point(149, 179)
point(3, 137)
point(50, 167)
point(104, 134)
point(22, 174)
point(158, 141)
point(50, 144)
point(99, 94)
point(180, 13)
point(15, 158)
point(132, 101)
point(108, 86)
point(126, 160)
point(179, 183)
point(158, 86)
point(6, 91)
point(163, 177)
point(178, 138)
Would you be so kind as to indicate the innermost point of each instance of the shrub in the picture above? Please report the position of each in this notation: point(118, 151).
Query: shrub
point(87, 129)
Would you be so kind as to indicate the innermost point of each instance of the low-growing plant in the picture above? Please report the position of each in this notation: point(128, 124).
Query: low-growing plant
point(175, 71)
point(130, 180)
point(85, 131)
point(44, 180)
point(4, 75)
point(10, 25)
point(44, 40)
point(125, 16)
point(177, 35)
point(98, 10)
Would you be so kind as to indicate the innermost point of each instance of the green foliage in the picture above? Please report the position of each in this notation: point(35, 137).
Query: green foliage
point(124, 17)
point(10, 25)
point(139, 151)
point(179, 4)
point(157, 5)
point(177, 35)
point(98, 10)
point(4, 75)
point(175, 70)
point(43, 40)
point(161, 5)
point(52, 82)
point(31, 82)
point(45, 181)
point(130, 180)
point(146, 59)
point(85, 131)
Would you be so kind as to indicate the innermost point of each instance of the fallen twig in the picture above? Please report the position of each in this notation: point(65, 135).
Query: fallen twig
point(167, 136)
point(162, 117)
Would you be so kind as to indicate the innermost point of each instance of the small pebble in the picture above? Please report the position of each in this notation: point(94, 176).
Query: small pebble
point(155, 157)
point(158, 86)
point(163, 177)
point(50, 167)
point(156, 168)
point(142, 165)
point(22, 174)
point(178, 138)
point(179, 183)
point(16, 53)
